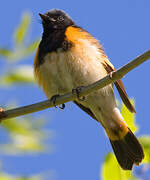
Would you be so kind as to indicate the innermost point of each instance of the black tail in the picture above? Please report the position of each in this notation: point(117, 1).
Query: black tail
point(128, 151)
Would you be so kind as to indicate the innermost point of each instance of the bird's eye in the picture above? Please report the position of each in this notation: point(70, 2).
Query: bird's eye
point(60, 18)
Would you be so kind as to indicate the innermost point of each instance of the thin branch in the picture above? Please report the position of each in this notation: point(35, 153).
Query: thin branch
point(85, 91)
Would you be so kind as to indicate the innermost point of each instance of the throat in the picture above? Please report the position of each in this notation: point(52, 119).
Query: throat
point(51, 42)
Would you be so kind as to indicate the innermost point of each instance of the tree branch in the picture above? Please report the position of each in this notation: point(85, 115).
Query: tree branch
point(84, 91)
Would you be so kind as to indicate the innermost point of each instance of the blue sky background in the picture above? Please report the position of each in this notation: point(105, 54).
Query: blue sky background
point(80, 144)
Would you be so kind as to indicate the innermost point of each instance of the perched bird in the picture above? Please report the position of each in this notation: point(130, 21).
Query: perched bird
point(69, 57)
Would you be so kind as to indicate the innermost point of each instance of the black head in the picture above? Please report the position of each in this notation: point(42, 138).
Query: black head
point(55, 20)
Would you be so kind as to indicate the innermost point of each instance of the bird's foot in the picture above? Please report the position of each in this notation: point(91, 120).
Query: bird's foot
point(53, 99)
point(77, 92)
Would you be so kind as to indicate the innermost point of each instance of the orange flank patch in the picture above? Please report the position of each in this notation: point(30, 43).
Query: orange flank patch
point(36, 61)
point(37, 73)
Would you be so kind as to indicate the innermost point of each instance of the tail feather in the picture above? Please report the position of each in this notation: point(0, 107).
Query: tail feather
point(128, 151)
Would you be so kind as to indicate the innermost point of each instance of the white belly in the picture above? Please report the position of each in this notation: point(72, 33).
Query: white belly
point(63, 71)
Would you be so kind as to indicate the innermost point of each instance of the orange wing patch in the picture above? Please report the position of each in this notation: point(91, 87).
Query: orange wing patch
point(73, 34)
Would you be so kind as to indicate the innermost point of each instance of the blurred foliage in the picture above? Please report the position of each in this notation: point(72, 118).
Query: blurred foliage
point(145, 141)
point(111, 168)
point(19, 74)
point(21, 32)
point(129, 117)
point(25, 135)
point(5, 176)
point(20, 48)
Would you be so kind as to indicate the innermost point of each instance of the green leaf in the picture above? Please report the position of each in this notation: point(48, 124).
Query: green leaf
point(129, 117)
point(145, 142)
point(5, 52)
point(20, 74)
point(21, 31)
point(112, 170)
point(31, 48)
point(21, 52)
point(5, 176)
point(25, 136)
point(16, 54)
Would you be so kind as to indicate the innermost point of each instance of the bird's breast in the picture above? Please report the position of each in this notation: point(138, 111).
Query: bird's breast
point(64, 70)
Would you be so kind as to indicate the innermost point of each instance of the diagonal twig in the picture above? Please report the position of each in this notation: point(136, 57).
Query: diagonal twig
point(118, 74)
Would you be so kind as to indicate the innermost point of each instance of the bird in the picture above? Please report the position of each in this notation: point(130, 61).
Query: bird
point(69, 57)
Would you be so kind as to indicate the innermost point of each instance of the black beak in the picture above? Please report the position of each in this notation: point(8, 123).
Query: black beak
point(44, 17)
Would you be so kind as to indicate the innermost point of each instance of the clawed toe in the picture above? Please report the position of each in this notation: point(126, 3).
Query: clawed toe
point(77, 92)
point(53, 99)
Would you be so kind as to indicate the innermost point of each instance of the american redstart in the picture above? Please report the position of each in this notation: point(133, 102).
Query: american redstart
point(69, 57)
